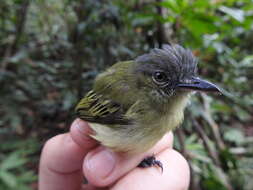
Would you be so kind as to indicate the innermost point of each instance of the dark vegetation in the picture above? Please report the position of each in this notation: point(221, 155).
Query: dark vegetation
point(50, 52)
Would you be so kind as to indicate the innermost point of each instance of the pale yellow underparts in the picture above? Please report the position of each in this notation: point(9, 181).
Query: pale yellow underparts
point(142, 135)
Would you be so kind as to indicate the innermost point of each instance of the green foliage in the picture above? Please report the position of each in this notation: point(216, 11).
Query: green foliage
point(50, 52)
point(14, 161)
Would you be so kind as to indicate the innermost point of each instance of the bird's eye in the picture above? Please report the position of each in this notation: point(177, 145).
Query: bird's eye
point(159, 77)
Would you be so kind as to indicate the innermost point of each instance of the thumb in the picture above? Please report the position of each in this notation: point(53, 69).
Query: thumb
point(102, 167)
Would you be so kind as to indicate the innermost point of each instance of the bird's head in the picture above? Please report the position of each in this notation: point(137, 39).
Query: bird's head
point(170, 71)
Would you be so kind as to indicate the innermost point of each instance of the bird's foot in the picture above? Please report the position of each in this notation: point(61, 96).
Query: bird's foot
point(149, 162)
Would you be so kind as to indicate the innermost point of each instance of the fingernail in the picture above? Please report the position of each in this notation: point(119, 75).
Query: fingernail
point(82, 126)
point(101, 163)
point(79, 124)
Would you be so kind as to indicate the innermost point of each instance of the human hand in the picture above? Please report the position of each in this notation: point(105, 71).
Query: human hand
point(68, 157)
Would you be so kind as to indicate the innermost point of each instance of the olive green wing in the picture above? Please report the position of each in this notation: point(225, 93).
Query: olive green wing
point(94, 108)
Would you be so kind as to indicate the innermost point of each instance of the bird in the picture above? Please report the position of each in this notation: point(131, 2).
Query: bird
point(133, 104)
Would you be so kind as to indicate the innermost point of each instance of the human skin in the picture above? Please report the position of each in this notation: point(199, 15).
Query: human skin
point(67, 158)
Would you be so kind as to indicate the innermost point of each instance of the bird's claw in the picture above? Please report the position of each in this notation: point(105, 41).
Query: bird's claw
point(149, 162)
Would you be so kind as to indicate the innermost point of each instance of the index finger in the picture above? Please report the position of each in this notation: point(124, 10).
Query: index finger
point(62, 158)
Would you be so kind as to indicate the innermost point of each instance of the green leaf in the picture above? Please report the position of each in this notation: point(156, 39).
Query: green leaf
point(27, 176)
point(142, 20)
point(14, 160)
point(234, 135)
point(237, 14)
point(221, 107)
point(199, 24)
point(172, 5)
point(18, 57)
point(9, 179)
point(247, 61)
point(241, 113)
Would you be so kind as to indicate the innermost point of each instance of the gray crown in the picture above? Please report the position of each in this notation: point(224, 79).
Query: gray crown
point(173, 58)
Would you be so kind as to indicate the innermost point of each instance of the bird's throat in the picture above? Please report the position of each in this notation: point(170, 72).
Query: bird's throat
point(174, 111)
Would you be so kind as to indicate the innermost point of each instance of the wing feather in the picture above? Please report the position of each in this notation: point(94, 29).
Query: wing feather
point(94, 108)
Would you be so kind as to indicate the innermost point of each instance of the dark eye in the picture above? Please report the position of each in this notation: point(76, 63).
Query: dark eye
point(159, 77)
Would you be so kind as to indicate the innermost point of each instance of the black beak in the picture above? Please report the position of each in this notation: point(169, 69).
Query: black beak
point(199, 84)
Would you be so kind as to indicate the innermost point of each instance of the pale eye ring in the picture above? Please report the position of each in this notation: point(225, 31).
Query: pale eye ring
point(160, 77)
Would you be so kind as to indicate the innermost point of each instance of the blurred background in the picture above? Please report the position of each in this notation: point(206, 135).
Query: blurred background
point(51, 51)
